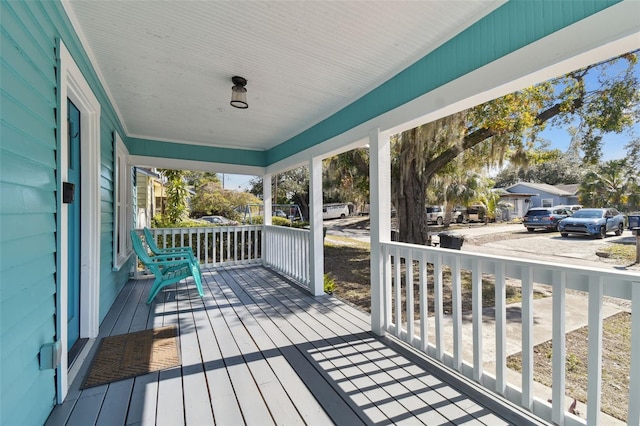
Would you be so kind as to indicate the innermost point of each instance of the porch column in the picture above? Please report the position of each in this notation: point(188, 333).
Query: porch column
point(266, 214)
point(316, 249)
point(380, 217)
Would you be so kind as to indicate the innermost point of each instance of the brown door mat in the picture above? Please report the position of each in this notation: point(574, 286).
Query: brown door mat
point(133, 354)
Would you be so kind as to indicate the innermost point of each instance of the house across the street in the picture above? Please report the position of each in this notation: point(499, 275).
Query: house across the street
point(525, 195)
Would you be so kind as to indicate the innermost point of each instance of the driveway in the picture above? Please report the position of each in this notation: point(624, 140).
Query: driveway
point(514, 241)
point(511, 240)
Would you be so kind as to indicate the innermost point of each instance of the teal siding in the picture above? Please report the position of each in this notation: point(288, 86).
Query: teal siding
point(28, 169)
point(161, 149)
point(507, 29)
point(27, 208)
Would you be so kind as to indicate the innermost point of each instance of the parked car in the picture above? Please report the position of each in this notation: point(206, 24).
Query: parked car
point(571, 207)
point(435, 214)
point(334, 211)
point(476, 213)
point(219, 220)
point(544, 217)
point(279, 213)
point(596, 222)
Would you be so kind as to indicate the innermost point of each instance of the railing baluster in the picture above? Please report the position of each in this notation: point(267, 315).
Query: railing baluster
point(476, 312)
point(424, 304)
point(501, 329)
point(397, 265)
point(527, 338)
point(456, 301)
point(409, 296)
point(559, 350)
point(206, 247)
point(634, 370)
point(437, 300)
point(594, 362)
point(386, 268)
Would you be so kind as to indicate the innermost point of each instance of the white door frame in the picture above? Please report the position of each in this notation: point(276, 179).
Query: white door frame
point(74, 87)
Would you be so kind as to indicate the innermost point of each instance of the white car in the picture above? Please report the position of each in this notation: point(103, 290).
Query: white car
point(335, 211)
point(435, 214)
point(219, 220)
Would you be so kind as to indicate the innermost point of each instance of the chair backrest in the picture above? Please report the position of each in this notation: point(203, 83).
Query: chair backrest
point(139, 249)
point(150, 240)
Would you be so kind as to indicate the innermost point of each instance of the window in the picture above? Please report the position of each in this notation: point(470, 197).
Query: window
point(547, 202)
point(122, 208)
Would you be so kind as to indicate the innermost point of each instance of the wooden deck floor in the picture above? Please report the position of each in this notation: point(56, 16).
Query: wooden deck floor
point(257, 350)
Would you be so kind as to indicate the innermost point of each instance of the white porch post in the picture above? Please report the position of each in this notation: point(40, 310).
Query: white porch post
point(380, 216)
point(266, 215)
point(316, 249)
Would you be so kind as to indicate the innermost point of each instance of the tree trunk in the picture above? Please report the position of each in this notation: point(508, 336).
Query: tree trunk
point(412, 218)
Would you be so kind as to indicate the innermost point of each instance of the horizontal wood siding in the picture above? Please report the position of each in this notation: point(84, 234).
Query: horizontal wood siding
point(28, 172)
point(27, 215)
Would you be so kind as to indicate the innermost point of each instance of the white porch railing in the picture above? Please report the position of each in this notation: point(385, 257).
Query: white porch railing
point(287, 251)
point(216, 245)
point(401, 262)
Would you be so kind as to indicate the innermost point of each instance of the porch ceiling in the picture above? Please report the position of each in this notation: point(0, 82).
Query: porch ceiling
point(167, 66)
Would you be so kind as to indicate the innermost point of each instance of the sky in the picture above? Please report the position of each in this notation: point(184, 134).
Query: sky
point(236, 182)
point(613, 144)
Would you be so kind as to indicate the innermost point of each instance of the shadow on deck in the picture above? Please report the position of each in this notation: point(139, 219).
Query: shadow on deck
point(258, 350)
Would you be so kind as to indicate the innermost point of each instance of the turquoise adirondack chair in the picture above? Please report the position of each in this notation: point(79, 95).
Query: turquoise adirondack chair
point(183, 250)
point(167, 268)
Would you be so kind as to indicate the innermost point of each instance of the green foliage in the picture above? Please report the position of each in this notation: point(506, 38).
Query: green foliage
point(329, 284)
point(559, 171)
point(613, 184)
point(176, 207)
point(492, 204)
point(280, 221)
point(161, 221)
point(300, 224)
point(346, 177)
point(573, 362)
point(211, 199)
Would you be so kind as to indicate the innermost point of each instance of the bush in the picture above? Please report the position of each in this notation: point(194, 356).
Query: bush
point(329, 284)
point(160, 221)
point(280, 221)
point(300, 224)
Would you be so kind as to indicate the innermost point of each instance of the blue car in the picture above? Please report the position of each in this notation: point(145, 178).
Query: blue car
point(595, 222)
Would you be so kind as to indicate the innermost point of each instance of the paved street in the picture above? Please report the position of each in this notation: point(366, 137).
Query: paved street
point(508, 240)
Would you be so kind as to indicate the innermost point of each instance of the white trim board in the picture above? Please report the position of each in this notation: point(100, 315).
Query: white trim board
point(74, 87)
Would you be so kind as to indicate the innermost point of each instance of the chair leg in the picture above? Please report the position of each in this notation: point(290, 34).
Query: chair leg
point(197, 277)
point(155, 289)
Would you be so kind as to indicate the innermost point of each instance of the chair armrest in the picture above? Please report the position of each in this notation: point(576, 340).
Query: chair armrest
point(177, 256)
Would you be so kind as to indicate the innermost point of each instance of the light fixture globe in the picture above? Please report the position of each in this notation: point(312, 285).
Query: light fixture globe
point(239, 93)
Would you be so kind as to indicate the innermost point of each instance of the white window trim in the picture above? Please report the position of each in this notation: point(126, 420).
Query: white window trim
point(74, 86)
point(546, 200)
point(122, 208)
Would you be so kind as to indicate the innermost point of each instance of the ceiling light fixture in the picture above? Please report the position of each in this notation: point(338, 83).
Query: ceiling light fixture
point(239, 93)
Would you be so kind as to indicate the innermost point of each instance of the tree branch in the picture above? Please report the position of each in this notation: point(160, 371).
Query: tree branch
point(480, 135)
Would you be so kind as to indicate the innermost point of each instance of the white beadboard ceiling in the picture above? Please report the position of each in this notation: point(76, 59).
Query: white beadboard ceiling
point(167, 65)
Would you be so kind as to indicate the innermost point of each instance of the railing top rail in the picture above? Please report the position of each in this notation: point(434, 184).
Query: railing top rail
point(618, 283)
point(276, 228)
point(245, 227)
point(631, 275)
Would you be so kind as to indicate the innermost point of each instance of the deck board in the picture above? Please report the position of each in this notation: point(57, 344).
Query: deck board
point(258, 350)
